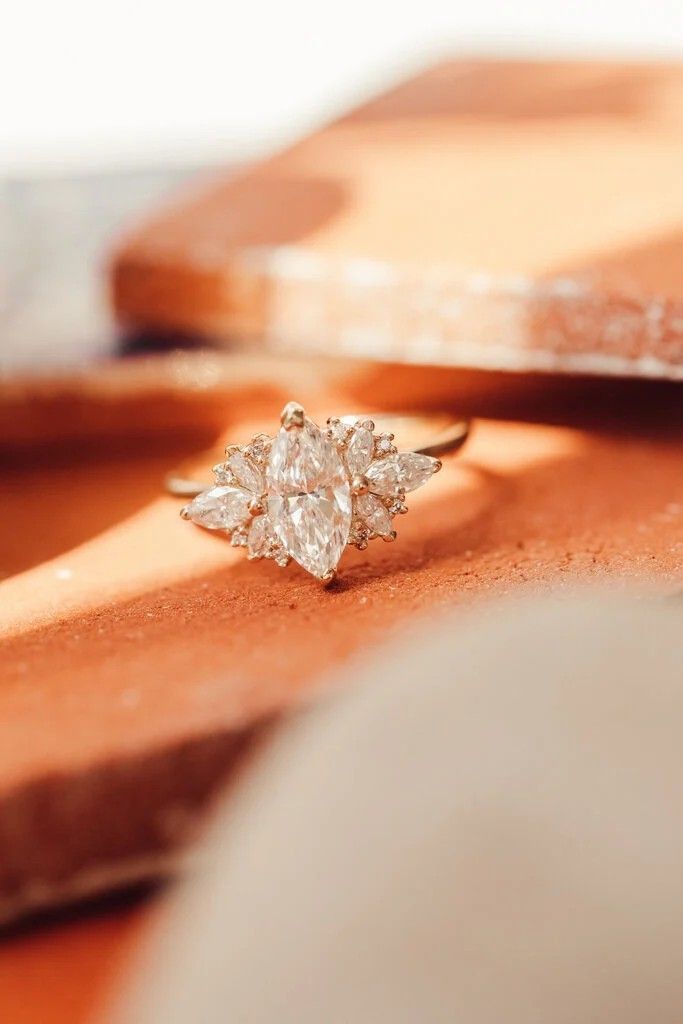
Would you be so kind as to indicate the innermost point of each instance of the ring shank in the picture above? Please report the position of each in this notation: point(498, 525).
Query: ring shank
point(443, 434)
point(431, 434)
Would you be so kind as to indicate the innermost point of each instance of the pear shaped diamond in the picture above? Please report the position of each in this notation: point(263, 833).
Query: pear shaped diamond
point(309, 497)
point(262, 542)
point(373, 513)
point(404, 471)
point(219, 508)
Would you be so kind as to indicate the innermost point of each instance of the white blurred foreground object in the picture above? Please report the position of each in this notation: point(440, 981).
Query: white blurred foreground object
point(487, 828)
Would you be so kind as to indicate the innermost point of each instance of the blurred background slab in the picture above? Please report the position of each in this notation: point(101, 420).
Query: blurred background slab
point(499, 215)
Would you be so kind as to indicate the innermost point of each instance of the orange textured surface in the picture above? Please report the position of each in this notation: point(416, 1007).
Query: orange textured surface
point(62, 973)
point(138, 652)
point(556, 185)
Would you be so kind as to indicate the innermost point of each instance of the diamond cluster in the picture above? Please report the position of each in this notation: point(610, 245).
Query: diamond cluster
point(308, 492)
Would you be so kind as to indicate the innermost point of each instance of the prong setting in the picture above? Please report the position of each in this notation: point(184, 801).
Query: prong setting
point(292, 416)
point(365, 473)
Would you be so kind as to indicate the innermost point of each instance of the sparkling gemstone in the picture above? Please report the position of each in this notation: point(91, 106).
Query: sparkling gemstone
point(220, 508)
point(258, 447)
point(224, 476)
point(404, 471)
point(339, 429)
point(260, 537)
point(359, 450)
point(370, 509)
point(309, 497)
point(246, 473)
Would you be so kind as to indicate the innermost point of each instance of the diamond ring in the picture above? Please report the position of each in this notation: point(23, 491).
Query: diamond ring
point(308, 492)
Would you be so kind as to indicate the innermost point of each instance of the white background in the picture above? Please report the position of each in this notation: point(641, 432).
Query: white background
point(85, 84)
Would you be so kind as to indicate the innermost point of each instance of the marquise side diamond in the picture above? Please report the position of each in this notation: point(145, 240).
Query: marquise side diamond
point(219, 508)
point(404, 471)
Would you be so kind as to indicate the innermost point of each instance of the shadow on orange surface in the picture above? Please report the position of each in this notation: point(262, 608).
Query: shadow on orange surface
point(60, 970)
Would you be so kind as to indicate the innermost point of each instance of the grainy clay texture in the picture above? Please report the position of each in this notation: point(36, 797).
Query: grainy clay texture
point(500, 215)
point(139, 652)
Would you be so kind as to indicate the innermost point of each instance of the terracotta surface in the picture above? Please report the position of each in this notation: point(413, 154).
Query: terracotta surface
point(61, 972)
point(138, 652)
point(525, 215)
point(179, 399)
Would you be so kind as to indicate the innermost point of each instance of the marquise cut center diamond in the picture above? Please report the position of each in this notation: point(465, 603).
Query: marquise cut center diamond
point(309, 497)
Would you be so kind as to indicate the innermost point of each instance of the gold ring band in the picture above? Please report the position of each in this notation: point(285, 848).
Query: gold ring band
point(437, 434)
